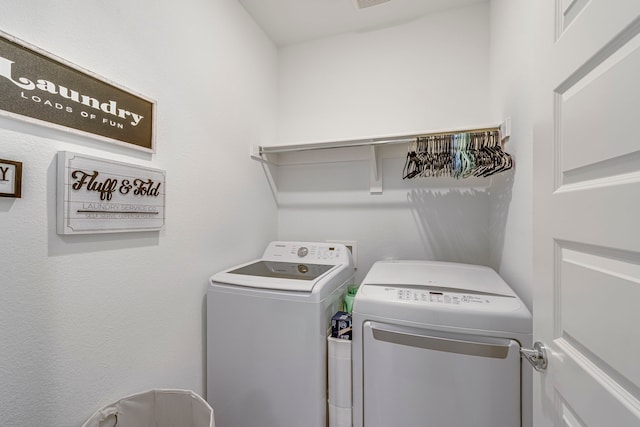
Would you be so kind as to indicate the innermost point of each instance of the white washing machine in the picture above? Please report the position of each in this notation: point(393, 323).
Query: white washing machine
point(438, 344)
point(267, 324)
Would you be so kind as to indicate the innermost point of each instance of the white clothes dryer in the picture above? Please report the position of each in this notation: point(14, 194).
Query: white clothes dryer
point(267, 323)
point(438, 344)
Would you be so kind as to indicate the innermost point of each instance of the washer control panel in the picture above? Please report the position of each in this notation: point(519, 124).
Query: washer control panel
point(327, 253)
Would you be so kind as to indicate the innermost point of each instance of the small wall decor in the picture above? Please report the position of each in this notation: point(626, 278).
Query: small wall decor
point(103, 196)
point(10, 178)
point(37, 86)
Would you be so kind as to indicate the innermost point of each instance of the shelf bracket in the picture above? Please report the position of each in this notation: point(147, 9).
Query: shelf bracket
point(505, 129)
point(255, 153)
point(375, 177)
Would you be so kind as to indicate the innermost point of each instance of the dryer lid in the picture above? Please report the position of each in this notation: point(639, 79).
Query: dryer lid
point(442, 294)
point(433, 275)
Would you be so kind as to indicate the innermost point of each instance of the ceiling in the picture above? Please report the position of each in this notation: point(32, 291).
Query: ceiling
point(293, 21)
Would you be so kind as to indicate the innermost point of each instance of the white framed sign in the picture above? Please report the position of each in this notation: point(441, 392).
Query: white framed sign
point(104, 196)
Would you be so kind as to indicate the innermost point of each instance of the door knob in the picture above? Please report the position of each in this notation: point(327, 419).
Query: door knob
point(536, 356)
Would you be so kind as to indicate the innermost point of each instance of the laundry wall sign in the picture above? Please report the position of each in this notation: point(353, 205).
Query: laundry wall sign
point(103, 196)
point(37, 86)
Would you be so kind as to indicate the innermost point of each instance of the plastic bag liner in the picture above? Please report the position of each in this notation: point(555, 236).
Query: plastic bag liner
point(155, 408)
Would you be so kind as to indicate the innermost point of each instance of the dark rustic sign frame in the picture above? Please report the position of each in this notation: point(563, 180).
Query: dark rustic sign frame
point(37, 86)
point(10, 178)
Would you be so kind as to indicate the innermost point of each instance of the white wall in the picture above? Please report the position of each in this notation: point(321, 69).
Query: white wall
point(511, 201)
point(85, 320)
point(428, 74)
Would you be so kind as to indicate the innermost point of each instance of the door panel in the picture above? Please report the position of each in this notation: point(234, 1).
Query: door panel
point(589, 109)
point(591, 393)
point(587, 213)
point(598, 294)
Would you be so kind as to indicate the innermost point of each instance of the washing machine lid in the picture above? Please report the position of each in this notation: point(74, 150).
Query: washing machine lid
point(290, 266)
point(442, 294)
point(282, 270)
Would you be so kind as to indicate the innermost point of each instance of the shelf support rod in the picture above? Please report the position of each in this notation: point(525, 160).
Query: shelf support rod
point(376, 171)
point(267, 166)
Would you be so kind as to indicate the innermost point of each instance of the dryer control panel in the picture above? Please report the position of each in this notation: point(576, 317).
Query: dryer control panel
point(442, 297)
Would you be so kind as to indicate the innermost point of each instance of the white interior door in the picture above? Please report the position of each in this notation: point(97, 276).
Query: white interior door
point(587, 212)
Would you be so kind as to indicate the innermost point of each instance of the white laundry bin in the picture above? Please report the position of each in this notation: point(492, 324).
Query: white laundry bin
point(155, 408)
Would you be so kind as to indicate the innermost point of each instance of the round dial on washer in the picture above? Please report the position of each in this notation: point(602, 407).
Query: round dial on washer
point(303, 251)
